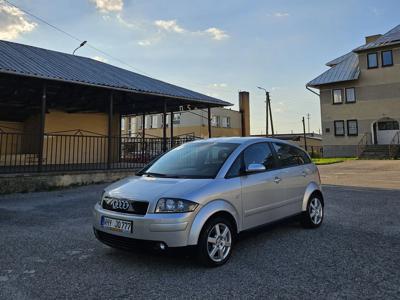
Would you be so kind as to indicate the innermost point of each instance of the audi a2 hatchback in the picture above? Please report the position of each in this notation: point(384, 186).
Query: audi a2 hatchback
point(205, 192)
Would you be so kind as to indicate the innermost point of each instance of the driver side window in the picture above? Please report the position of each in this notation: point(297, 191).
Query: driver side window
point(259, 154)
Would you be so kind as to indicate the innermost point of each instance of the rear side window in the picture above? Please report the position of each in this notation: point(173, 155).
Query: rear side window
point(259, 154)
point(289, 156)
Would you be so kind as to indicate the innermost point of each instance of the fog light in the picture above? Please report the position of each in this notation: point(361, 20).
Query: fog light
point(162, 246)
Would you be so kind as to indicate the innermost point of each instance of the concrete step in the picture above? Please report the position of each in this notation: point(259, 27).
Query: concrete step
point(378, 152)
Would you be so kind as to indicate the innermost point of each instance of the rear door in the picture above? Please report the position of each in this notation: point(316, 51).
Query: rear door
point(296, 171)
point(262, 192)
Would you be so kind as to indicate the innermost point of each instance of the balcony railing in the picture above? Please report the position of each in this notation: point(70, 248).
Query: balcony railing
point(19, 153)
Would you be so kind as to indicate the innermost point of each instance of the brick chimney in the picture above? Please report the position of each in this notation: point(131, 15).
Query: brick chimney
point(244, 108)
point(372, 38)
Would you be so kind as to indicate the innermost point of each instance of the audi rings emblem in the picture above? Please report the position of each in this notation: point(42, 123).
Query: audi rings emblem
point(120, 204)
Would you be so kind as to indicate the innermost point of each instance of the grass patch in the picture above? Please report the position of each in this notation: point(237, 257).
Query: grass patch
point(331, 160)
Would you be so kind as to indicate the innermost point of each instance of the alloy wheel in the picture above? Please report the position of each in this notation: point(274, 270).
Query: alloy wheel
point(219, 242)
point(316, 211)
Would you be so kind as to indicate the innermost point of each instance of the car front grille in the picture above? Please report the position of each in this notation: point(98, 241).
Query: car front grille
point(125, 206)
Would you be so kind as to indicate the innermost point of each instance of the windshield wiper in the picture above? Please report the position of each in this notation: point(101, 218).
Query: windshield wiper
point(151, 174)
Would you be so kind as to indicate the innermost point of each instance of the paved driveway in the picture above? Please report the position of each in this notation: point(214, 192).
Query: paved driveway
point(363, 173)
point(48, 251)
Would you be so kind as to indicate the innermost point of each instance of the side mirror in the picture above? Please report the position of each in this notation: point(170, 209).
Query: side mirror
point(255, 168)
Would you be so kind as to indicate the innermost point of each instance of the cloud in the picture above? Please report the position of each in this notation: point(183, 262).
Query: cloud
point(99, 58)
point(169, 25)
point(126, 23)
point(280, 14)
point(144, 43)
point(172, 26)
point(13, 22)
point(218, 85)
point(217, 34)
point(106, 6)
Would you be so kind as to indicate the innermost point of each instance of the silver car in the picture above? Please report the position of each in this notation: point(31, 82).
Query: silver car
point(206, 192)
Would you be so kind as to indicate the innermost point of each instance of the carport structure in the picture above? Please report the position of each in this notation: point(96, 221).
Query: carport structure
point(63, 112)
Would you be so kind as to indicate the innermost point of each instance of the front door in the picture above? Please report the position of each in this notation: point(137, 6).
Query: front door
point(385, 131)
point(262, 192)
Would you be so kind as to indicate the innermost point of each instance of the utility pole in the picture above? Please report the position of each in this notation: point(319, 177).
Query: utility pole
point(266, 113)
point(304, 134)
point(308, 121)
point(270, 114)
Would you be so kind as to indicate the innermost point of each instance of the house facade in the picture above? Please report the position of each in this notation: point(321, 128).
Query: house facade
point(360, 97)
point(224, 122)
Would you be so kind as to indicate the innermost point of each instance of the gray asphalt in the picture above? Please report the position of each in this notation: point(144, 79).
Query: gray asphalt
point(48, 251)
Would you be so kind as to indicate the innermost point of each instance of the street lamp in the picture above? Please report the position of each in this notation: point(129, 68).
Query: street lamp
point(267, 111)
point(80, 46)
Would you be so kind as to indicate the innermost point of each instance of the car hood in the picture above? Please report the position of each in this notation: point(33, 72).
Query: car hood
point(152, 189)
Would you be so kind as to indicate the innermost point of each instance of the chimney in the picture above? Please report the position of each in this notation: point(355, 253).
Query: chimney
point(372, 38)
point(244, 108)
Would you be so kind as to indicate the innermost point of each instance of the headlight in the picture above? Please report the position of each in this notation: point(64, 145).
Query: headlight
point(170, 205)
point(102, 197)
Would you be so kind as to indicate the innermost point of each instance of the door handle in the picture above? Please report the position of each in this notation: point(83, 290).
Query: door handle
point(277, 180)
point(304, 173)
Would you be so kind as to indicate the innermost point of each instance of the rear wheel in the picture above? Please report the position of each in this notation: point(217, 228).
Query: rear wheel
point(314, 215)
point(215, 242)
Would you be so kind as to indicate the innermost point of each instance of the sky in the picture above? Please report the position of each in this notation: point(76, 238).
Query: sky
point(215, 47)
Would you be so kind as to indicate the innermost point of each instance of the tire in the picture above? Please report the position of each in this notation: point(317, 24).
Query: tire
point(215, 249)
point(314, 215)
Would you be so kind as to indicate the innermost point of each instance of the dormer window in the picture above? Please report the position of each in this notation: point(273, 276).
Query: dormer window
point(372, 60)
point(337, 96)
point(387, 58)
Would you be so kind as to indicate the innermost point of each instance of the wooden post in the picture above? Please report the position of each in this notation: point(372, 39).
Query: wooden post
point(41, 128)
point(164, 145)
point(110, 121)
point(209, 121)
point(143, 135)
point(171, 124)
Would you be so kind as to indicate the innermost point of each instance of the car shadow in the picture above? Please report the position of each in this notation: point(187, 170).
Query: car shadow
point(185, 257)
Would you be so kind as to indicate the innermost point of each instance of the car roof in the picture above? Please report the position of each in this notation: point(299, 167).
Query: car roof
point(241, 140)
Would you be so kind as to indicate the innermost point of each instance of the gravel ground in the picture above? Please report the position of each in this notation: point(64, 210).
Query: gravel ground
point(48, 251)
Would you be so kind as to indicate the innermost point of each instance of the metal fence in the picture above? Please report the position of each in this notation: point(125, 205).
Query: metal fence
point(20, 153)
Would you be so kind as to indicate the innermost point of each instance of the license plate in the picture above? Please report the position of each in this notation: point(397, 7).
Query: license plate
point(116, 225)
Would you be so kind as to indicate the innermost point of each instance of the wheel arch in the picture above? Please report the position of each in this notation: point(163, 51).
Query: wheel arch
point(210, 210)
point(312, 189)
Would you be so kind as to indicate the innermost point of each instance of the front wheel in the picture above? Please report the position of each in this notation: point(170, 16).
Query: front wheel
point(215, 242)
point(314, 215)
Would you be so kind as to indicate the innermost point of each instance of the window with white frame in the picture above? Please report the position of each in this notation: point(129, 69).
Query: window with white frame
point(215, 121)
point(350, 95)
point(225, 122)
point(123, 123)
point(337, 96)
point(154, 121)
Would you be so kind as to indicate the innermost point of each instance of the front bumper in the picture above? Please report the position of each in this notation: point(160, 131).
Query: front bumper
point(171, 229)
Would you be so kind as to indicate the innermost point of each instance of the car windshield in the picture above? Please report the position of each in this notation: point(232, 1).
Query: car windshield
point(192, 160)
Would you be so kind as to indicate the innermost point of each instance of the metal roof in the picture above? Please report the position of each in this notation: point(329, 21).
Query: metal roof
point(390, 38)
point(338, 60)
point(347, 69)
point(37, 62)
